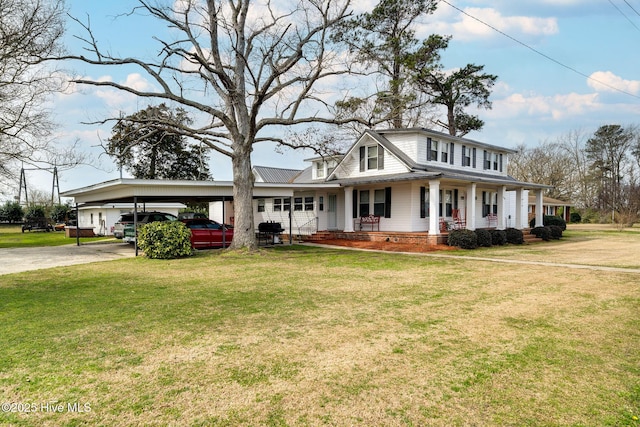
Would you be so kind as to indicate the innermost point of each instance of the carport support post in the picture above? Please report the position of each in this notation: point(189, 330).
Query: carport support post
point(224, 227)
point(77, 225)
point(135, 223)
point(290, 227)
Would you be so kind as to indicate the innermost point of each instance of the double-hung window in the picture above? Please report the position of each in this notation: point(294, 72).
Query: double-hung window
point(378, 202)
point(308, 203)
point(466, 156)
point(371, 158)
point(444, 152)
point(434, 151)
point(364, 202)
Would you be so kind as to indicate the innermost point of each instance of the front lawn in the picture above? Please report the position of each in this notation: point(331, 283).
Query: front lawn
point(13, 237)
point(308, 336)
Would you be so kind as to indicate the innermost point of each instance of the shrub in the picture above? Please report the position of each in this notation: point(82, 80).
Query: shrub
point(555, 231)
point(550, 220)
point(498, 237)
point(465, 239)
point(514, 236)
point(484, 237)
point(12, 212)
point(543, 233)
point(165, 240)
point(35, 213)
point(575, 217)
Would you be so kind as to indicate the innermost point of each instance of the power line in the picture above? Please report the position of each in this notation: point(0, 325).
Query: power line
point(541, 53)
point(632, 8)
point(624, 14)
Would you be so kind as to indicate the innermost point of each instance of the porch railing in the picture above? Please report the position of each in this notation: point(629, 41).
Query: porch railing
point(308, 228)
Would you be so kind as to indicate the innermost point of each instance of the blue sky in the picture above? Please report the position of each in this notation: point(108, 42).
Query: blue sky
point(562, 66)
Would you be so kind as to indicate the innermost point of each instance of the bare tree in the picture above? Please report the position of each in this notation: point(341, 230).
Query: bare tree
point(547, 163)
point(246, 66)
point(30, 30)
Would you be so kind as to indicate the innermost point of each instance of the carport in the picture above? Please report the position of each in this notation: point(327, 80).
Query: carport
point(141, 191)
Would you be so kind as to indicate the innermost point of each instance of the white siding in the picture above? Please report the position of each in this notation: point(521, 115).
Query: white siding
point(350, 167)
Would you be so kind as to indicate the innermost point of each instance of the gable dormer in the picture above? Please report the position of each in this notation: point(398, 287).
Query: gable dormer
point(371, 155)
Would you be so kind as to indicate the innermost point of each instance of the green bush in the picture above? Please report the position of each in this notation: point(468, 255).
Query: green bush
point(498, 237)
point(543, 233)
point(556, 231)
point(12, 212)
point(550, 220)
point(575, 217)
point(465, 239)
point(484, 237)
point(165, 240)
point(514, 236)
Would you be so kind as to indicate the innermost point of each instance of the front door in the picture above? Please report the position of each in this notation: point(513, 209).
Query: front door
point(332, 212)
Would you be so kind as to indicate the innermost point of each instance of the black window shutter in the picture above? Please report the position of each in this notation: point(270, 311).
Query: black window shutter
point(423, 213)
point(387, 202)
point(500, 162)
point(474, 157)
point(380, 157)
point(355, 203)
point(451, 153)
point(362, 158)
point(455, 198)
point(464, 154)
point(428, 149)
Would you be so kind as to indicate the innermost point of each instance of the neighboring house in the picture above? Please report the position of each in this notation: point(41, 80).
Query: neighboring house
point(414, 180)
point(102, 218)
point(552, 207)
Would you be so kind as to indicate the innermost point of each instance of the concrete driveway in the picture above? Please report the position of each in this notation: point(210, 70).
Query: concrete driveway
point(16, 260)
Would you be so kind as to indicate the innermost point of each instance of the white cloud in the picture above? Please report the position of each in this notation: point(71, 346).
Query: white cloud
point(606, 81)
point(463, 26)
point(557, 107)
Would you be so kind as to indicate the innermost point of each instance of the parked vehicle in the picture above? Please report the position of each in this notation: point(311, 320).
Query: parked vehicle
point(128, 232)
point(206, 233)
point(191, 215)
point(37, 224)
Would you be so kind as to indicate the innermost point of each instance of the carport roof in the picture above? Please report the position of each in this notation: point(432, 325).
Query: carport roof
point(127, 189)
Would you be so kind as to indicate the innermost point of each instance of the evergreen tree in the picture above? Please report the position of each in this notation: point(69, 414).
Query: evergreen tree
point(150, 151)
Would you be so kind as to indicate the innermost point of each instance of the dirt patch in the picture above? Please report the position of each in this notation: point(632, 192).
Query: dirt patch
point(387, 246)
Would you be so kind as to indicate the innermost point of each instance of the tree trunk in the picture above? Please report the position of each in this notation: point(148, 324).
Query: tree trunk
point(452, 121)
point(243, 232)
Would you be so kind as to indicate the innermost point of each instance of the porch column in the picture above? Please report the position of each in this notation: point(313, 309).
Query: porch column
point(519, 203)
point(434, 207)
point(348, 209)
point(471, 206)
point(539, 209)
point(501, 225)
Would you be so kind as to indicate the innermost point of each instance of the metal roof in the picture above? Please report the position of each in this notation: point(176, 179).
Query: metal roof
point(275, 175)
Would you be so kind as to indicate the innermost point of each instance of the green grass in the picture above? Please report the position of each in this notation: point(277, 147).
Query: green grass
point(13, 237)
point(306, 336)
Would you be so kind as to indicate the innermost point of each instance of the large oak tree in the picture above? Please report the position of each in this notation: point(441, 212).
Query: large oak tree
point(246, 66)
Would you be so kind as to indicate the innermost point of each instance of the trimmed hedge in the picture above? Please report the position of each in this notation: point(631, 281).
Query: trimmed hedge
point(465, 239)
point(514, 236)
point(484, 237)
point(498, 237)
point(543, 233)
point(556, 231)
point(165, 240)
point(548, 220)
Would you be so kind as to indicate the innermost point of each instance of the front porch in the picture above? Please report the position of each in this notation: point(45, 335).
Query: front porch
point(415, 238)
